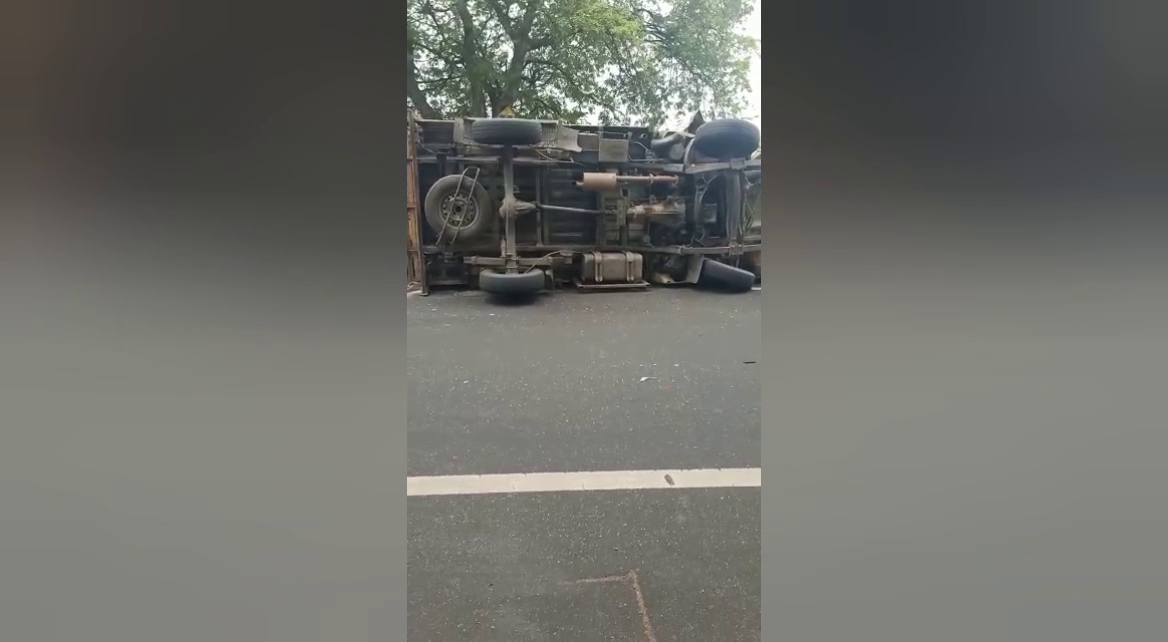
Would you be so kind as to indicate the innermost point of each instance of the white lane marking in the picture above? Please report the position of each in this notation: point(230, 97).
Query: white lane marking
point(583, 481)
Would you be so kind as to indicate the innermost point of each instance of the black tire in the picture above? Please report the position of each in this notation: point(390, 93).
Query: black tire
point(506, 131)
point(517, 284)
point(446, 197)
point(725, 277)
point(726, 139)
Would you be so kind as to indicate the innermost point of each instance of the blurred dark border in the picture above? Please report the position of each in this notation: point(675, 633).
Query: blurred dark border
point(201, 328)
point(965, 321)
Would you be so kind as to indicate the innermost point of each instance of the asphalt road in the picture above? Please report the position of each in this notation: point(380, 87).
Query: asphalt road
point(665, 379)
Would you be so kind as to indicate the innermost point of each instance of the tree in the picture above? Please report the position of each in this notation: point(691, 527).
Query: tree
point(634, 61)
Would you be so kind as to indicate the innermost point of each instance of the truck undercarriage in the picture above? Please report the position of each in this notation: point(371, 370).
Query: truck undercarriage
point(517, 206)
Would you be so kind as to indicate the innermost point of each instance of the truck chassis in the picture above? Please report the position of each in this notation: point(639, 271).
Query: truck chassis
point(515, 207)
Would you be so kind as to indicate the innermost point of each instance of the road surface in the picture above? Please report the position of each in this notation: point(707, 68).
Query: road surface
point(575, 387)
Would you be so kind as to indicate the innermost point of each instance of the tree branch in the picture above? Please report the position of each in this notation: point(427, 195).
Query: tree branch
point(500, 11)
point(533, 7)
point(413, 89)
point(432, 13)
point(438, 81)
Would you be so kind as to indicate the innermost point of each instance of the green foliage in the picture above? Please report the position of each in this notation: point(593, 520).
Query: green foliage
point(629, 61)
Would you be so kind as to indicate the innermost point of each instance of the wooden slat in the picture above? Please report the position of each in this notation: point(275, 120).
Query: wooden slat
point(417, 268)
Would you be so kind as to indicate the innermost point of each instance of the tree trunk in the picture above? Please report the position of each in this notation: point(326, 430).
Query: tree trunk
point(476, 98)
point(414, 90)
point(523, 44)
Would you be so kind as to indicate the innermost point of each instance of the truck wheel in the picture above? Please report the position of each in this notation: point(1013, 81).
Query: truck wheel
point(466, 210)
point(728, 138)
point(506, 131)
point(725, 277)
point(517, 284)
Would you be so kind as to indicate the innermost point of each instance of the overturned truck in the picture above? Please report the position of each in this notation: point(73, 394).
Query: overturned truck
point(516, 206)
